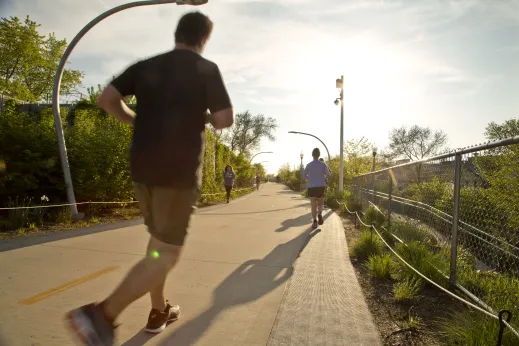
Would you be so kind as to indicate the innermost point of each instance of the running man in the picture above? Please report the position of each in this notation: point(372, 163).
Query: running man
point(316, 173)
point(174, 90)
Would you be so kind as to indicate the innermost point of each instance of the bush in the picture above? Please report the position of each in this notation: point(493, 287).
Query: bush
point(367, 245)
point(98, 152)
point(380, 265)
point(407, 289)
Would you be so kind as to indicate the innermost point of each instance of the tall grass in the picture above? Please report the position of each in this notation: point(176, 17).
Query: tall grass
point(368, 244)
point(422, 259)
point(407, 289)
point(380, 265)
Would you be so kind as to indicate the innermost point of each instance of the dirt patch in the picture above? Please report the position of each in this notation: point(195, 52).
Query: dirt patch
point(392, 318)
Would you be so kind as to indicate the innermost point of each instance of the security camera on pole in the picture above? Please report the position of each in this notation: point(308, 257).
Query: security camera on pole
point(339, 84)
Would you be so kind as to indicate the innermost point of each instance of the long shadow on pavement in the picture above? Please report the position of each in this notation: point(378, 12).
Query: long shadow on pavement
point(256, 211)
point(250, 281)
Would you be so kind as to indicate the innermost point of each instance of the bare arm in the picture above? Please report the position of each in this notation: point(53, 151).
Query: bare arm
point(112, 102)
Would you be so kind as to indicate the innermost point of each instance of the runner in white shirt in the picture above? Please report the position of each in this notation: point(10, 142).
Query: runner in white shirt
point(316, 173)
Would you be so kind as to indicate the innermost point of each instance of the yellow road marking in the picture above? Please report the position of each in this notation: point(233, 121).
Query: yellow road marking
point(64, 287)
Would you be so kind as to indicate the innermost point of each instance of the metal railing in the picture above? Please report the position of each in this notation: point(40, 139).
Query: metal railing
point(465, 205)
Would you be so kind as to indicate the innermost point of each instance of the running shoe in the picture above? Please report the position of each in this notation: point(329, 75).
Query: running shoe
point(90, 326)
point(158, 320)
point(314, 224)
point(320, 217)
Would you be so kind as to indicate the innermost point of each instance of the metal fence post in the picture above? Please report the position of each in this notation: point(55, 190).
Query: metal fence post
point(389, 201)
point(455, 219)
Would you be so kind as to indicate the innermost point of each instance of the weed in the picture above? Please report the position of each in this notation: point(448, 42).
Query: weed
point(63, 215)
point(407, 289)
point(368, 244)
point(413, 322)
point(380, 265)
point(95, 220)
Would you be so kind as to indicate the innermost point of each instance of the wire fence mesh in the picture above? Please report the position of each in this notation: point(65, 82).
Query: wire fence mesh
point(464, 207)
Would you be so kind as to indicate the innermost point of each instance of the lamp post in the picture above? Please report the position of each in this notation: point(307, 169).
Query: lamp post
point(59, 74)
point(308, 134)
point(339, 84)
point(373, 175)
point(263, 152)
point(301, 171)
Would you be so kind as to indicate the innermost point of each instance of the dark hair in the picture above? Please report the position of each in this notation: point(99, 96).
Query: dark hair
point(316, 153)
point(193, 28)
point(321, 159)
point(228, 166)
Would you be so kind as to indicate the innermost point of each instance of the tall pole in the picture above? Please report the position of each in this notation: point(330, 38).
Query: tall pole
point(57, 84)
point(341, 156)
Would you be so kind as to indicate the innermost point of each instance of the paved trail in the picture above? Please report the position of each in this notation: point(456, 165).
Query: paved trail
point(239, 282)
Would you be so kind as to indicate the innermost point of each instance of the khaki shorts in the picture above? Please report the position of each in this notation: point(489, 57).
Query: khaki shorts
point(166, 211)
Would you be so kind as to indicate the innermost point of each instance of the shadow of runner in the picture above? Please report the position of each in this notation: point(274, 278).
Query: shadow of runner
point(295, 222)
point(250, 281)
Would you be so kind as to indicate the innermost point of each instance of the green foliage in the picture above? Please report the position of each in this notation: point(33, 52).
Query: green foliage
point(431, 192)
point(422, 259)
point(375, 217)
point(28, 61)
point(380, 265)
point(409, 231)
point(366, 245)
point(407, 289)
point(473, 328)
point(98, 152)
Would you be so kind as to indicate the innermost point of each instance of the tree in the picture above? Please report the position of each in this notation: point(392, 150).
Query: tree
point(358, 156)
point(248, 130)
point(496, 132)
point(416, 142)
point(260, 170)
point(28, 62)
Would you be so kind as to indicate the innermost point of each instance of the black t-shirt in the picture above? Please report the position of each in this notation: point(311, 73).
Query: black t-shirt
point(173, 91)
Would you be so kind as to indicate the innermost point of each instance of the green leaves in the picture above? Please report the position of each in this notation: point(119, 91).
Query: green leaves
point(28, 61)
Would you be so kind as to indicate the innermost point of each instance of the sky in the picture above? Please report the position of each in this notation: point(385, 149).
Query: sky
point(450, 65)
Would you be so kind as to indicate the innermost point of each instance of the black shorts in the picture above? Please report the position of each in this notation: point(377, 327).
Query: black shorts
point(317, 192)
point(228, 188)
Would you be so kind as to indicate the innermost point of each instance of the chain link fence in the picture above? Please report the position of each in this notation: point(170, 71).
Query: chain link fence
point(464, 207)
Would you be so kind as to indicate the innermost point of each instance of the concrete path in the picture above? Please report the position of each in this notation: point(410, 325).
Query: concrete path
point(239, 282)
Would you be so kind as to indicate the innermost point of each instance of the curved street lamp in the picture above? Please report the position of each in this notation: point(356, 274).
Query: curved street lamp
point(263, 152)
point(59, 74)
point(308, 134)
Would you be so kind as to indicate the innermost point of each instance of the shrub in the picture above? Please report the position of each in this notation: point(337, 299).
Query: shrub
point(367, 245)
point(380, 265)
point(407, 289)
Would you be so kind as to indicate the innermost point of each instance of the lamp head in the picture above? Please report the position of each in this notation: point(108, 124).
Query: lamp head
point(336, 102)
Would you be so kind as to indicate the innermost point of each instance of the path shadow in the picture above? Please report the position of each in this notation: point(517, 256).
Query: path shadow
point(300, 221)
point(258, 211)
point(250, 281)
point(295, 222)
point(18, 243)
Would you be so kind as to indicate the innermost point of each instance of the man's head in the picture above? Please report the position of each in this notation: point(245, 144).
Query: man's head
point(321, 159)
point(316, 153)
point(193, 31)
